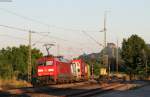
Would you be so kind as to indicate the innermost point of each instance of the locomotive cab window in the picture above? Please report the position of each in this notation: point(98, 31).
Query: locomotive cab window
point(49, 62)
point(78, 70)
point(41, 63)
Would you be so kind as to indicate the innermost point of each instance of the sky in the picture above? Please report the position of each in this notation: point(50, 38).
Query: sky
point(67, 19)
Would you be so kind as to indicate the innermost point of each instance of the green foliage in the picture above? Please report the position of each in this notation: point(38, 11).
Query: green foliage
point(134, 52)
point(14, 61)
point(97, 69)
point(92, 59)
point(6, 71)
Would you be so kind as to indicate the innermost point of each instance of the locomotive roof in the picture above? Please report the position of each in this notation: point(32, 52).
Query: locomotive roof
point(61, 59)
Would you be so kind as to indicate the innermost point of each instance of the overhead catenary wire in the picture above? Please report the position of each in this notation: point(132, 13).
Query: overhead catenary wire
point(15, 28)
point(74, 49)
point(38, 33)
point(26, 30)
point(63, 39)
point(21, 38)
point(43, 23)
point(39, 41)
point(13, 37)
point(92, 38)
point(20, 29)
point(39, 22)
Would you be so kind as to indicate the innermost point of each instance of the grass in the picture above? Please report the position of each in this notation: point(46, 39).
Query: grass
point(13, 83)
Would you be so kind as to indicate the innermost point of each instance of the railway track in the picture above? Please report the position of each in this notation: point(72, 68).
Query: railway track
point(49, 88)
point(67, 90)
point(92, 92)
point(77, 90)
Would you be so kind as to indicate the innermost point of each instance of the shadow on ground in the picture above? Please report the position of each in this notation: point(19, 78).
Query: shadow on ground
point(46, 91)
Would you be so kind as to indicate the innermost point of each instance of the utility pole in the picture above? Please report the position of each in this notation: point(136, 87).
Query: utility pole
point(105, 38)
point(146, 67)
point(145, 61)
point(105, 14)
point(58, 49)
point(29, 67)
point(29, 58)
point(117, 58)
point(92, 72)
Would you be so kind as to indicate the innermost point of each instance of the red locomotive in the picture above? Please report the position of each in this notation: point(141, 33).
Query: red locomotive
point(52, 70)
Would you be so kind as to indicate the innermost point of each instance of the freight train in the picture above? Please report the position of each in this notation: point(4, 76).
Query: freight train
point(54, 70)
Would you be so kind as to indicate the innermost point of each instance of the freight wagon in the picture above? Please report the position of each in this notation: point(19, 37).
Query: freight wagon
point(79, 70)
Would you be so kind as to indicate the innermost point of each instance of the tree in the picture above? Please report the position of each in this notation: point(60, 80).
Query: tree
point(14, 61)
point(132, 54)
point(92, 59)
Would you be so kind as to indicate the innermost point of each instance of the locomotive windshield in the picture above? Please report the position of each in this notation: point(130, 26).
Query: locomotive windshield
point(63, 60)
point(40, 63)
point(45, 63)
point(49, 62)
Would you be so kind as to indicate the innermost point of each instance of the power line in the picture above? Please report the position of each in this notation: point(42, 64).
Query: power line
point(92, 38)
point(51, 36)
point(22, 16)
point(74, 49)
point(39, 33)
point(13, 37)
point(15, 28)
point(21, 29)
point(36, 32)
point(21, 38)
point(43, 23)
point(40, 22)
point(55, 37)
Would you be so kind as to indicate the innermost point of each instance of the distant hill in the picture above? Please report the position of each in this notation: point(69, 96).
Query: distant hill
point(88, 58)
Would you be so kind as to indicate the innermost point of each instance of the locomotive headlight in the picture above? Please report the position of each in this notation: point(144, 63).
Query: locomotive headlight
point(40, 70)
point(50, 69)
